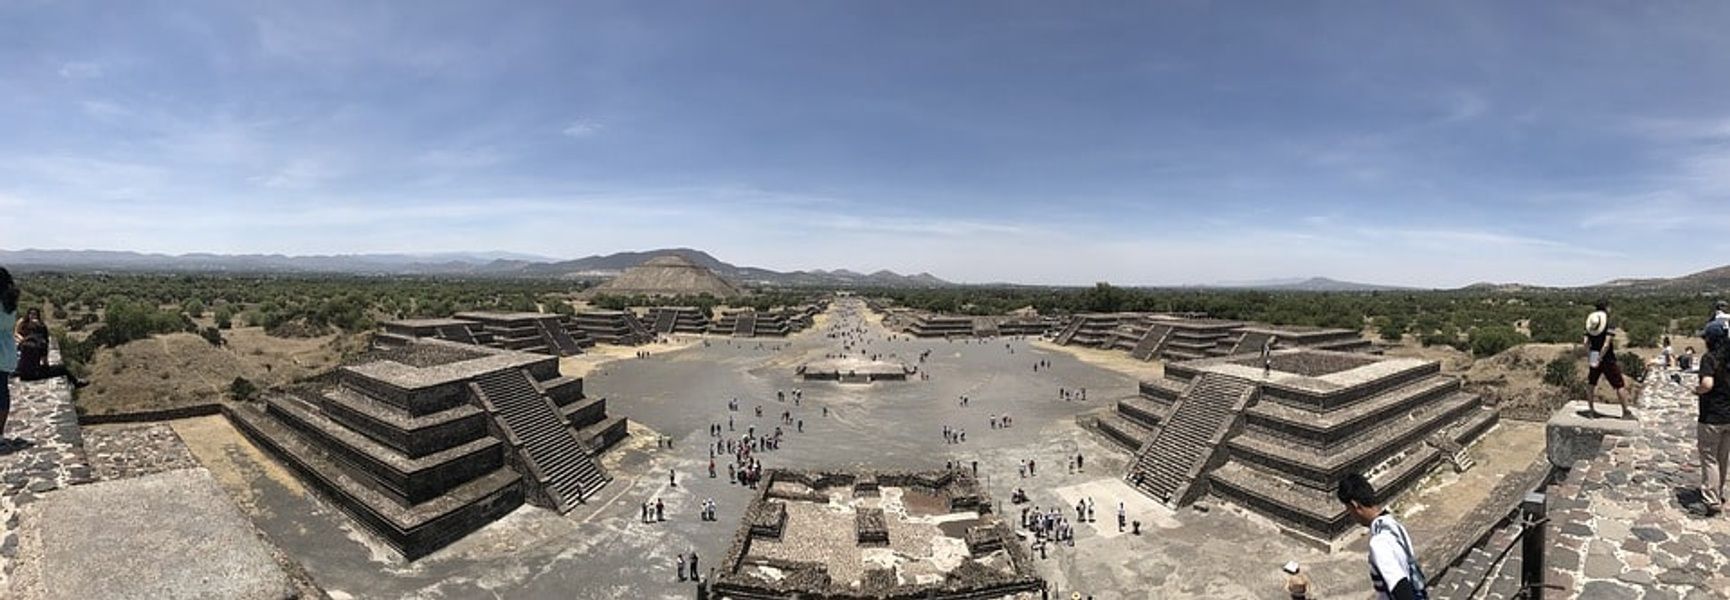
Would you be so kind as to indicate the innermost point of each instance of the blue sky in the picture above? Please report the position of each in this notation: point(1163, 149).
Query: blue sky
point(1038, 142)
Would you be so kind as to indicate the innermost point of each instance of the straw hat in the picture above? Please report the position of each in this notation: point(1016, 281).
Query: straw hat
point(1597, 322)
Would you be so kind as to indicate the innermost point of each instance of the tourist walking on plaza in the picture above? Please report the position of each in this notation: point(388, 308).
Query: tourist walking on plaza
point(1394, 571)
point(1714, 422)
point(1601, 360)
point(8, 349)
point(1296, 582)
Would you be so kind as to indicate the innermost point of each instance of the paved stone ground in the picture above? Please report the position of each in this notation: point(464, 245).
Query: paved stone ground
point(603, 550)
point(1618, 522)
point(135, 450)
point(51, 456)
point(167, 535)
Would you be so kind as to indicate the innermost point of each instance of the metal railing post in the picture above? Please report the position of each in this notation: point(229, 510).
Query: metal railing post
point(1533, 523)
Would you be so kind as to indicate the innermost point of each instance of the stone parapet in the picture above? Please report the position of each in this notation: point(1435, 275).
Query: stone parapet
point(1570, 436)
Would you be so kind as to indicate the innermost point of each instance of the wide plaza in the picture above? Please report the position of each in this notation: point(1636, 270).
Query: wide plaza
point(679, 393)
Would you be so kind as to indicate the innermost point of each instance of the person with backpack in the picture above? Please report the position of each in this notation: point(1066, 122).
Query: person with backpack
point(1601, 361)
point(1713, 430)
point(1394, 571)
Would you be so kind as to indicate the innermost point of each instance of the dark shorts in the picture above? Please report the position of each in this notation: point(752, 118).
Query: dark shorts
point(1610, 371)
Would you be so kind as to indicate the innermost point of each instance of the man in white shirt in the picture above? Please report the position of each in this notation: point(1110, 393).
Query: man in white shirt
point(1394, 571)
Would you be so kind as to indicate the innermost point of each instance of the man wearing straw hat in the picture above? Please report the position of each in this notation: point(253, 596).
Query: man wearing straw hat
point(1601, 360)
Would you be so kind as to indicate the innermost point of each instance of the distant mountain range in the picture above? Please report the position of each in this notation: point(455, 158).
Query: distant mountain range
point(508, 264)
point(1312, 284)
point(477, 264)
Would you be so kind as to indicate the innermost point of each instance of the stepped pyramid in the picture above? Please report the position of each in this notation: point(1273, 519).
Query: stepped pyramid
point(669, 275)
point(425, 442)
point(1278, 441)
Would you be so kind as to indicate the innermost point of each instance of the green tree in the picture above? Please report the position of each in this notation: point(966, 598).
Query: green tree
point(1494, 339)
point(242, 389)
point(194, 308)
point(1562, 371)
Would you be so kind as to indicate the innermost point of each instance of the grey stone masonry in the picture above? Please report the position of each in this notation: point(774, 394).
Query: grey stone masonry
point(48, 455)
point(1303, 424)
point(1179, 453)
point(1618, 524)
point(679, 319)
point(420, 446)
point(616, 327)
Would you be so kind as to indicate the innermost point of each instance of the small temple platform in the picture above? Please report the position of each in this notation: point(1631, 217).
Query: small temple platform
point(854, 370)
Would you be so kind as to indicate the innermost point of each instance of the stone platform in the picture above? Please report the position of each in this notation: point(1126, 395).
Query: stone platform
point(133, 539)
point(853, 370)
point(1277, 441)
point(51, 457)
point(1571, 436)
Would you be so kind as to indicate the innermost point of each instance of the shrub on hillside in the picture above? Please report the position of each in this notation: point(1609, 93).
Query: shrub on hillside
point(1562, 371)
point(1446, 336)
point(242, 389)
point(1633, 367)
point(1390, 329)
point(1494, 339)
point(1553, 327)
point(1643, 333)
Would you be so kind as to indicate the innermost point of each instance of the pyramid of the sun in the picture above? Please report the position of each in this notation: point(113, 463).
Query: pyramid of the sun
point(669, 275)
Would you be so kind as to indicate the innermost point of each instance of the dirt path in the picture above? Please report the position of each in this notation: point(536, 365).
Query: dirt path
point(1112, 360)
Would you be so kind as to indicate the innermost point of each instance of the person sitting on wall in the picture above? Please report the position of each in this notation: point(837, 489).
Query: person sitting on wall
point(33, 351)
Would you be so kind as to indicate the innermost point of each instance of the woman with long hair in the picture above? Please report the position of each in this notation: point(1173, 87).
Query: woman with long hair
point(8, 348)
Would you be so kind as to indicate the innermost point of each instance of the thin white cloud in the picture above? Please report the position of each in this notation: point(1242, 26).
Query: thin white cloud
point(1464, 106)
point(462, 158)
point(81, 70)
point(581, 128)
point(104, 110)
point(299, 174)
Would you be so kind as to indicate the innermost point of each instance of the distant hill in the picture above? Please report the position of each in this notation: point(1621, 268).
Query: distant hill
point(480, 264)
point(1716, 279)
point(613, 264)
point(1312, 284)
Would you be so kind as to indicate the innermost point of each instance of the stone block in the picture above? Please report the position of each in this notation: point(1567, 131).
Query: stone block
point(131, 539)
point(1571, 437)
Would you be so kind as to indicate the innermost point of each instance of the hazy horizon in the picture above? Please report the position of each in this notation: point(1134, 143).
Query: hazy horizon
point(1179, 143)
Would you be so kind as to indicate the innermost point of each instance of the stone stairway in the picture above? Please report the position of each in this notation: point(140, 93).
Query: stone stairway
point(1250, 342)
point(561, 464)
point(746, 325)
point(561, 340)
point(1151, 342)
point(665, 320)
point(1070, 330)
point(1178, 454)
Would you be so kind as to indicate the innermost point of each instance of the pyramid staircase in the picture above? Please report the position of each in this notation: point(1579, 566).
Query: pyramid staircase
point(560, 339)
point(1069, 331)
point(1151, 342)
point(1250, 342)
point(665, 321)
point(553, 457)
point(1178, 455)
point(746, 325)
